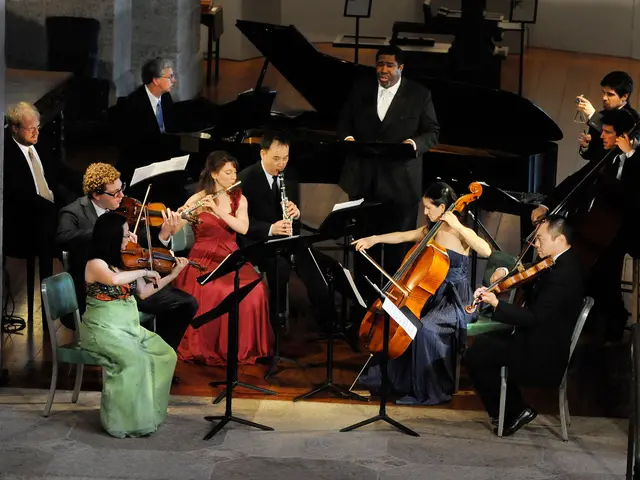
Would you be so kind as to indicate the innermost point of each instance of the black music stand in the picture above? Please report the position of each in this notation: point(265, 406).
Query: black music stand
point(384, 387)
point(335, 275)
point(375, 150)
point(344, 222)
point(277, 247)
point(231, 305)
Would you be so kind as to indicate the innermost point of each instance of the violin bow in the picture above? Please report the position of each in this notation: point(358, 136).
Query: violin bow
point(148, 231)
point(142, 209)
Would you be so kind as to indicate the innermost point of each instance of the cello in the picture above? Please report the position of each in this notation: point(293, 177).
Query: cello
point(421, 273)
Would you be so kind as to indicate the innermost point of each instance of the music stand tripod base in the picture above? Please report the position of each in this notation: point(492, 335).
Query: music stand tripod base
point(238, 383)
point(328, 384)
point(382, 414)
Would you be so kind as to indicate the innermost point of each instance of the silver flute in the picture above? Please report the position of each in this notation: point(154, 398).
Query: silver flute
point(284, 199)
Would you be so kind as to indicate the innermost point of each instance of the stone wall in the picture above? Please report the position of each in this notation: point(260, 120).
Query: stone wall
point(131, 31)
point(170, 29)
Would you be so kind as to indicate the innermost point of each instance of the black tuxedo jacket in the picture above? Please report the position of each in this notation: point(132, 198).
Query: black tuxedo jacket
point(594, 150)
point(75, 228)
point(264, 207)
point(138, 134)
point(410, 116)
point(29, 219)
point(623, 191)
point(540, 344)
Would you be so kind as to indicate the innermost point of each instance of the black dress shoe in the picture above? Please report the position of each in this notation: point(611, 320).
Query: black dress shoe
point(527, 415)
point(494, 421)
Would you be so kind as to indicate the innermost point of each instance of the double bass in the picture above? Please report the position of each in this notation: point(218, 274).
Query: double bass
point(422, 272)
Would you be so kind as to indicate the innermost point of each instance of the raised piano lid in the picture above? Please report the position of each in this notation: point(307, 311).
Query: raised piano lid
point(468, 115)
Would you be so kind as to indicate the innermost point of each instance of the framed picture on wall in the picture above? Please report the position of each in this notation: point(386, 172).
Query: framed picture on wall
point(357, 8)
point(523, 11)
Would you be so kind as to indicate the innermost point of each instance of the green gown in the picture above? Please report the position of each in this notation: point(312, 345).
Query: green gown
point(138, 364)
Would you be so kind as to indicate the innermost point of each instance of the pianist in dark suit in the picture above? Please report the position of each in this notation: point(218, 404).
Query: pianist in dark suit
point(142, 120)
point(537, 349)
point(103, 192)
point(604, 278)
point(616, 88)
point(33, 192)
point(261, 187)
point(392, 109)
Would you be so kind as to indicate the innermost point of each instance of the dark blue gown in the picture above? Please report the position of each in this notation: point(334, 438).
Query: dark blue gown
point(425, 372)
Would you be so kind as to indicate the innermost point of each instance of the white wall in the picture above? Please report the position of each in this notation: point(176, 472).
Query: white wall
point(323, 21)
point(604, 27)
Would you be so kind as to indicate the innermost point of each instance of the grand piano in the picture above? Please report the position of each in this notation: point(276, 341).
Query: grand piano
point(492, 136)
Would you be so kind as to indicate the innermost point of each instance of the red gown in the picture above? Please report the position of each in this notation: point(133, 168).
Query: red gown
point(214, 240)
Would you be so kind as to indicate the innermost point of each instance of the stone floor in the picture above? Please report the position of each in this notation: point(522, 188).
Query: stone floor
point(306, 444)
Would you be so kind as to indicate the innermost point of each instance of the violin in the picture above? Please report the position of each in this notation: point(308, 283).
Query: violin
point(135, 257)
point(514, 281)
point(130, 208)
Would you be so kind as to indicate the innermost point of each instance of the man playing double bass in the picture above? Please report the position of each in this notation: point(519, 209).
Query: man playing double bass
point(623, 169)
point(616, 88)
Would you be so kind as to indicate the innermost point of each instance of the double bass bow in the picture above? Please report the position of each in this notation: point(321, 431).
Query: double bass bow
point(422, 272)
point(598, 216)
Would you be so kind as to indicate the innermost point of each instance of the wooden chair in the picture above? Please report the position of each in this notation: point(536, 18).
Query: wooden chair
point(563, 404)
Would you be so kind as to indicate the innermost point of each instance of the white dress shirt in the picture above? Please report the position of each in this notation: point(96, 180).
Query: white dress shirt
point(384, 99)
point(101, 211)
point(271, 180)
point(25, 152)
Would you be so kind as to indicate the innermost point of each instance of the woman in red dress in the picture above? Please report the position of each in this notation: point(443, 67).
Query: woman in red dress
point(215, 238)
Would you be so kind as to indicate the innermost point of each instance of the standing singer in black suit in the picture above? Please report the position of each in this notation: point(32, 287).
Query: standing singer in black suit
point(536, 351)
point(390, 109)
point(260, 185)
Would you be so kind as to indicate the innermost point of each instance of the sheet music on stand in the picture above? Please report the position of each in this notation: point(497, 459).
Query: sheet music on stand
point(175, 164)
point(403, 317)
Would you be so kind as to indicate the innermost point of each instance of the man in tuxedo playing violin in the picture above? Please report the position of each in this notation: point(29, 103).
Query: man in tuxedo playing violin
point(605, 275)
point(104, 192)
point(536, 351)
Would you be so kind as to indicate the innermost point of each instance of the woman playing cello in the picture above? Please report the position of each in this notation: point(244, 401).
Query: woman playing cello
point(424, 373)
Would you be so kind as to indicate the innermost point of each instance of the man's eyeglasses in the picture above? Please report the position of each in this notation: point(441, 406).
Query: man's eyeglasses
point(170, 77)
point(117, 192)
point(31, 129)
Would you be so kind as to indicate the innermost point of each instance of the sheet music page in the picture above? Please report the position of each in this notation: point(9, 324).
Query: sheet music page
point(352, 203)
point(347, 274)
point(214, 271)
point(400, 318)
point(172, 165)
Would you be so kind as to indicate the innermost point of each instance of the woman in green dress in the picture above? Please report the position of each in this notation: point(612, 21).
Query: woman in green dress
point(138, 364)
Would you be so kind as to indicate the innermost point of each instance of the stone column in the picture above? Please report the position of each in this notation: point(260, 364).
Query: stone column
point(169, 29)
point(27, 43)
point(3, 379)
